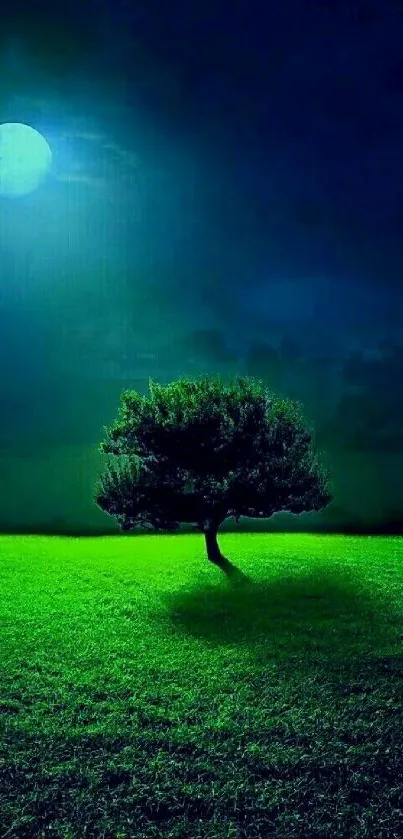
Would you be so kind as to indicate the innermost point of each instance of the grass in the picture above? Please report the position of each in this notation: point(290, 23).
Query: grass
point(142, 696)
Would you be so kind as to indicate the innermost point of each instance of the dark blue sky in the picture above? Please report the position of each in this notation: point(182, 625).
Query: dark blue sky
point(297, 105)
point(299, 100)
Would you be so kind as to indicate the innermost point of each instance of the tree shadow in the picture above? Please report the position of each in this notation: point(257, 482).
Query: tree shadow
point(328, 612)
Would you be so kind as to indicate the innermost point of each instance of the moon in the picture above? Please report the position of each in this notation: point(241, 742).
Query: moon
point(25, 158)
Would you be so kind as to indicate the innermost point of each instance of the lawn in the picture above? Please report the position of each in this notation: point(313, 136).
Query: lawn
point(143, 696)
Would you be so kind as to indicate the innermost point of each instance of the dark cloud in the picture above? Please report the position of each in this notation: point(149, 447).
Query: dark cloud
point(369, 416)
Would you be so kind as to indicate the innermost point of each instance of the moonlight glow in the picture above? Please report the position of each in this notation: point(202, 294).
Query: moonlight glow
point(25, 158)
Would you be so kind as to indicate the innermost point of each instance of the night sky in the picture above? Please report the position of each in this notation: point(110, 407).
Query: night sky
point(226, 195)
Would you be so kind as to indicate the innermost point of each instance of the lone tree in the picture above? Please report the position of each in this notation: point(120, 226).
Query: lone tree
point(199, 451)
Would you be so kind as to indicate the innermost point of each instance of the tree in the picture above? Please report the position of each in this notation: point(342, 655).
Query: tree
point(369, 415)
point(199, 451)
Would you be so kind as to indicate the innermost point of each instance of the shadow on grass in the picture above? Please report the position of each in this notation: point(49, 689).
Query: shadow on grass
point(325, 613)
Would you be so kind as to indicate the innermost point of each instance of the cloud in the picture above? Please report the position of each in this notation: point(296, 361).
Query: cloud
point(91, 136)
point(88, 180)
point(90, 158)
point(81, 153)
point(100, 152)
point(129, 157)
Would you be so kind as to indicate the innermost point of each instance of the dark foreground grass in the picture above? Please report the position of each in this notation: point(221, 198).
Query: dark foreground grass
point(141, 696)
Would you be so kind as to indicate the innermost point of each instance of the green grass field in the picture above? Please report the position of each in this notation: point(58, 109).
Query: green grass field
point(142, 696)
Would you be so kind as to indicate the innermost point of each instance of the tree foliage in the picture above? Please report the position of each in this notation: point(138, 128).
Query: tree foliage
point(199, 450)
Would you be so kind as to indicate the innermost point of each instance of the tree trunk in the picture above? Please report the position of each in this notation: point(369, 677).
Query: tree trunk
point(214, 554)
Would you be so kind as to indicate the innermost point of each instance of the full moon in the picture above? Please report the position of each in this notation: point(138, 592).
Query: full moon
point(25, 157)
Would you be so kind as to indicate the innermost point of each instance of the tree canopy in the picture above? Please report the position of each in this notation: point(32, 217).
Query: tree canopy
point(200, 450)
